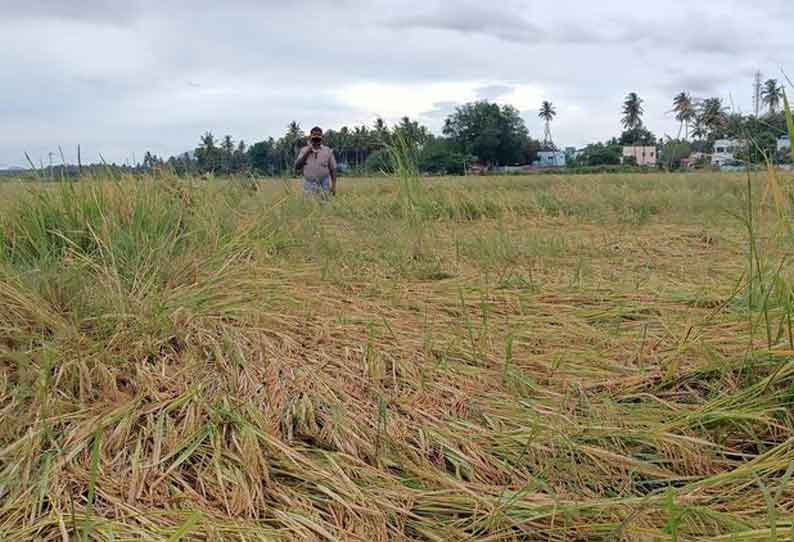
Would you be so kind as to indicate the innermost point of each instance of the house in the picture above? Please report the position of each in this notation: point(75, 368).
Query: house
point(644, 155)
point(783, 144)
point(550, 159)
point(724, 150)
point(693, 160)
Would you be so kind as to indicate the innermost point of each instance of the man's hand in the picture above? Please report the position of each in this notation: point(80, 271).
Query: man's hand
point(302, 157)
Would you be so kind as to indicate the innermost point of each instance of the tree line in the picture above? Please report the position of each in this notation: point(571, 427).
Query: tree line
point(702, 121)
point(496, 135)
point(479, 131)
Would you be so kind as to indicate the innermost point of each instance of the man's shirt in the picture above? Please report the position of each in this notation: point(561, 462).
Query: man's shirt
point(319, 162)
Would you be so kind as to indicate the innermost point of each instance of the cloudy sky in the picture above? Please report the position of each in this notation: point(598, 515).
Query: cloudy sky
point(123, 77)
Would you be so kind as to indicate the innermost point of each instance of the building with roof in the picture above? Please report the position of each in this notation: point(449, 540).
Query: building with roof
point(644, 155)
point(550, 159)
point(725, 151)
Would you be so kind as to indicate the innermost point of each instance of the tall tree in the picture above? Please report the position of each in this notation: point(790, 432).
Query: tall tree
point(208, 155)
point(637, 136)
point(495, 135)
point(227, 154)
point(632, 111)
point(240, 158)
point(361, 144)
point(772, 95)
point(289, 145)
point(411, 132)
point(380, 132)
point(714, 116)
point(600, 154)
point(263, 157)
point(547, 113)
point(699, 131)
point(684, 110)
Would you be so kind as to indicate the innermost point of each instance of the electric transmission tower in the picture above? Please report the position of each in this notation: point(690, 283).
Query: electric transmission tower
point(547, 141)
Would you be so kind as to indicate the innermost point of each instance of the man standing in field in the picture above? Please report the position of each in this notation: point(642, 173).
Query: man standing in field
point(319, 166)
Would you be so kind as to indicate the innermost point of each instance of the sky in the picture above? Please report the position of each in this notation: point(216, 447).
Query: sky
point(123, 77)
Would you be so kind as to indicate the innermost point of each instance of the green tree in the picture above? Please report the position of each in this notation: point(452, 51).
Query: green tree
point(495, 135)
point(263, 158)
point(713, 116)
point(379, 161)
point(699, 131)
point(412, 133)
point(674, 151)
point(547, 113)
point(151, 161)
point(440, 156)
point(227, 154)
point(760, 133)
point(632, 111)
point(600, 154)
point(685, 112)
point(342, 143)
point(735, 125)
point(240, 158)
point(288, 145)
point(772, 95)
point(639, 135)
point(762, 147)
point(208, 155)
point(380, 133)
point(187, 164)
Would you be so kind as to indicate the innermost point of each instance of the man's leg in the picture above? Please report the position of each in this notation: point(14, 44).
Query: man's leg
point(326, 187)
point(310, 188)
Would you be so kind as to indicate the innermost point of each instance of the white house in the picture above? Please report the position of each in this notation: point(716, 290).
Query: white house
point(783, 144)
point(644, 155)
point(550, 159)
point(724, 150)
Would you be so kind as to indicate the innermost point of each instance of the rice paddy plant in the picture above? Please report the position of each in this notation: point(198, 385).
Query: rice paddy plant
point(496, 359)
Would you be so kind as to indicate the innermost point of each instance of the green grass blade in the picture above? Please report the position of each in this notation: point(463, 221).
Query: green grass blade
point(89, 514)
point(186, 527)
point(789, 122)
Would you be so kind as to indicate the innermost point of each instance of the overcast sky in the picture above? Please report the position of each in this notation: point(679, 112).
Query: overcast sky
point(123, 77)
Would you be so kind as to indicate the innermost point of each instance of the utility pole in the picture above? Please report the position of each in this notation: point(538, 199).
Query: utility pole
point(757, 94)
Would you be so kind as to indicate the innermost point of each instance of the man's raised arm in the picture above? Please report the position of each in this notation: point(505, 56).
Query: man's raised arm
point(303, 155)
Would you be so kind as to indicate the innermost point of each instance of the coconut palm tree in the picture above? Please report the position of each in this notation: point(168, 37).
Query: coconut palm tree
point(771, 95)
point(684, 110)
point(714, 114)
point(632, 111)
point(380, 132)
point(547, 113)
point(699, 131)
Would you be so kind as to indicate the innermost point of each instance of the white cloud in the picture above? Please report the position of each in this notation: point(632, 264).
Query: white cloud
point(394, 100)
point(123, 77)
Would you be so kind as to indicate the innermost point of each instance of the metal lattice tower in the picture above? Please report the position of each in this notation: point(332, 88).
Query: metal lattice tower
point(547, 141)
point(757, 93)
